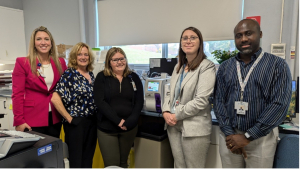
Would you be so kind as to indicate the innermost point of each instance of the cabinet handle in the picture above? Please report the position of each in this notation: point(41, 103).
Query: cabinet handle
point(4, 102)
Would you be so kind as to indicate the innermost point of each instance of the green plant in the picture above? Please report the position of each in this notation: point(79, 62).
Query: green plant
point(222, 55)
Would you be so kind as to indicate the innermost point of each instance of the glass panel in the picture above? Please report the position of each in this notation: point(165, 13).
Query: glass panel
point(173, 50)
point(209, 46)
point(140, 54)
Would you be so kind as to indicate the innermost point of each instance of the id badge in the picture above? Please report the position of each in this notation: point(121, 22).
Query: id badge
point(176, 103)
point(133, 85)
point(41, 73)
point(241, 107)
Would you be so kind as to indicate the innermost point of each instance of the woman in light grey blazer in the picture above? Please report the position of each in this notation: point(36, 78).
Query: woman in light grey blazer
point(187, 109)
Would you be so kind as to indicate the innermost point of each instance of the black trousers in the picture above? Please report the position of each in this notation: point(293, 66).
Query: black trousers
point(51, 130)
point(81, 138)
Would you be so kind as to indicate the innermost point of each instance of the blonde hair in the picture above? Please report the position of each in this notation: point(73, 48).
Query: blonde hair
point(107, 69)
point(32, 52)
point(72, 62)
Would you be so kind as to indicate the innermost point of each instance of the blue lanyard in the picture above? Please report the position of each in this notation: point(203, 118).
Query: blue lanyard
point(181, 78)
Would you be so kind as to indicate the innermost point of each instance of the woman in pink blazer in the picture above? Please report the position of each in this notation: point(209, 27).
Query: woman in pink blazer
point(34, 79)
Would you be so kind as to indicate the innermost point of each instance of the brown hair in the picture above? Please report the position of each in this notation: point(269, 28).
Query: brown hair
point(32, 52)
point(110, 53)
point(200, 56)
point(72, 61)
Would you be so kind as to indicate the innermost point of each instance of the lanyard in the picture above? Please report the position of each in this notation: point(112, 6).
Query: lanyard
point(181, 78)
point(243, 84)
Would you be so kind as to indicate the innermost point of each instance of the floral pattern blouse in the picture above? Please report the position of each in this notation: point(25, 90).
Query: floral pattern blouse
point(76, 93)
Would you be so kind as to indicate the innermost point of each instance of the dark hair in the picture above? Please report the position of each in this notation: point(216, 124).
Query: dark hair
point(252, 21)
point(200, 55)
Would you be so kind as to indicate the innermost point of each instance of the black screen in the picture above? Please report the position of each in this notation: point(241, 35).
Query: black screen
point(166, 66)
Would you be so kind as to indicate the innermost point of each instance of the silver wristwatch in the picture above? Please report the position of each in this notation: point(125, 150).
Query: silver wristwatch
point(248, 137)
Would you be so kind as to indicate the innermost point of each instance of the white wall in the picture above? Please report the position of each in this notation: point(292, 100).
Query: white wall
point(60, 17)
point(289, 33)
point(296, 72)
point(270, 12)
point(16, 4)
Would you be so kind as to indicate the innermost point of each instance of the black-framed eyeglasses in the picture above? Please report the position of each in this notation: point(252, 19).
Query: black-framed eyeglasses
point(192, 39)
point(118, 59)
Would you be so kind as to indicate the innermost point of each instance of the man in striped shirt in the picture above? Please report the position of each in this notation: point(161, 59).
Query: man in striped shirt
point(252, 95)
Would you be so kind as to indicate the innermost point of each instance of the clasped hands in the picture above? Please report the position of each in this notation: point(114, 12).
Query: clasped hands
point(170, 118)
point(121, 125)
point(236, 143)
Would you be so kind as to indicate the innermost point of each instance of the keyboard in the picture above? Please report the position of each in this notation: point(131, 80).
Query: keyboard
point(19, 134)
point(12, 141)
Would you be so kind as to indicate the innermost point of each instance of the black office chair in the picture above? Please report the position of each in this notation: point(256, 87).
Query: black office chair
point(287, 152)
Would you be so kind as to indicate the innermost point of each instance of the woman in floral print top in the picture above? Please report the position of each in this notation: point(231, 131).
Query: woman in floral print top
point(73, 98)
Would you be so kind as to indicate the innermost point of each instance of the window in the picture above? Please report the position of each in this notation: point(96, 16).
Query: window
point(140, 54)
point(173, 50)
point(209, 47)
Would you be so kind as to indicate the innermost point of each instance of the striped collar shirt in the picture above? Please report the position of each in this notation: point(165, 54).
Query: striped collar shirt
point(268, 93)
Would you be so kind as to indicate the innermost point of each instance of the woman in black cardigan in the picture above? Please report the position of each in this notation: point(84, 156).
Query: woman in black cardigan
point(119, 97)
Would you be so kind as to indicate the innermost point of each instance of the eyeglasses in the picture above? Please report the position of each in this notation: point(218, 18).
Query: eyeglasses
point(186, 39)
point(119, 59)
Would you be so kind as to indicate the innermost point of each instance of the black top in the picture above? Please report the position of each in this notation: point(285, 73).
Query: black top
point(116, 101)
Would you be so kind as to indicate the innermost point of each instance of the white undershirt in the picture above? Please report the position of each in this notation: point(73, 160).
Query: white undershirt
point(48, 72)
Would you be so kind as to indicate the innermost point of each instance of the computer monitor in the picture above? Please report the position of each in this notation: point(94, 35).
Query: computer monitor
point(161, 65)
point(292, 108)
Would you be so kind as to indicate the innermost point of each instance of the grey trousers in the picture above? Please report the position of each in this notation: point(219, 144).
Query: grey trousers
point(260, 152)
point(188, 152)
point(115, 147)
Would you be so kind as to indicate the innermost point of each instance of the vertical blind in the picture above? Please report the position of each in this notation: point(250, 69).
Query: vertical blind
point(128, 22)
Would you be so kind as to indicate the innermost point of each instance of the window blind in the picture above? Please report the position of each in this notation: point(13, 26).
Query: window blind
point(128, 22)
